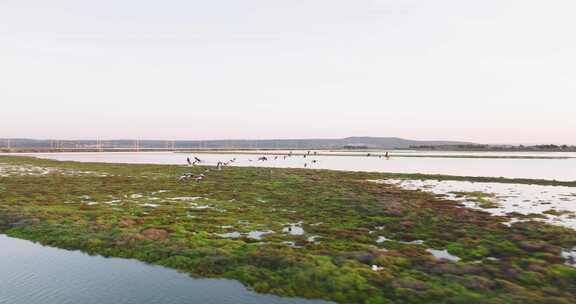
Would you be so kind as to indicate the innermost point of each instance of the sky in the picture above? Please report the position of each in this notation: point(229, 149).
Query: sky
point(490, 71)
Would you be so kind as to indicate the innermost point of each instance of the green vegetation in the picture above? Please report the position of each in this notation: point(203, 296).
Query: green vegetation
point(349, 226)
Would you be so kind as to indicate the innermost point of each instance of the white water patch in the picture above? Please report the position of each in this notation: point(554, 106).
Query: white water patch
point(255, 234)
point(160, 191)
point(148, 205)
point(377, 268)
point(230, 235)
point(313, 238)
point(294, 229)
point(415, 242)
point(200, 207)
point(291, 244)
point(443, 255)
point(570, 256)
point(7, 170)
point(185, 198)
point(382, 239)
point(554, 204)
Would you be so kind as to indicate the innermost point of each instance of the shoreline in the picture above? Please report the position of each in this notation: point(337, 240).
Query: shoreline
point(331, 152)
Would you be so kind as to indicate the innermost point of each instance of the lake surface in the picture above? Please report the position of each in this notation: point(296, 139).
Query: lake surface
point(552, 169)
point(34, 274)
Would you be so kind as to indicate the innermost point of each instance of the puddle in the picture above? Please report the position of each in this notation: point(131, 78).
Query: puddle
point(149, 205)
point(443, 255)
point(160, 191)
point(291, 244)
point(377, 268)
point(7, 170)
point(570, 257)
point(231, 235)
point(382, 239)
point(294, 229)
point(257, 235)
point(313, 238)
point(186, 198)
point(415, 242)
point(200, 207)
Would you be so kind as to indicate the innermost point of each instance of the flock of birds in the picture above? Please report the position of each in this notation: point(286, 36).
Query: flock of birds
point(200, 177)
point(289, 155)
point(221, 165)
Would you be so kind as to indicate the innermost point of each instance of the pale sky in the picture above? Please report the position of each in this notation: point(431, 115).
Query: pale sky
point(490, 71)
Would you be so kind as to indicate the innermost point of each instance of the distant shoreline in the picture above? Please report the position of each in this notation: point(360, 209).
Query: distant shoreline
point(282, 152)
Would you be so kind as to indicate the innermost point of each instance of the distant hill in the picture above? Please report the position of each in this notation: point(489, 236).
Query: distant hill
point(395, 142)
point(343, 143)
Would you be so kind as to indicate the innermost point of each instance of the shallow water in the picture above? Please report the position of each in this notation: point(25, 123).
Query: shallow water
point(555, 204)
point(417, 153)
point(553, 169)
point(443, 255)
point(33, 274)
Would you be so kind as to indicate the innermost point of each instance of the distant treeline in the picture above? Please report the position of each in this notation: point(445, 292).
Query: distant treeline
point(503, 148)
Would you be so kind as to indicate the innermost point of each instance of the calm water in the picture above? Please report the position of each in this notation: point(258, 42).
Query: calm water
point(33, 274)
point(554, 169)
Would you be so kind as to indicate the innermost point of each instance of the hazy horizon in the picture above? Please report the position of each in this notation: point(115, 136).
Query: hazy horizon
point(494, 72)
point(267, 139)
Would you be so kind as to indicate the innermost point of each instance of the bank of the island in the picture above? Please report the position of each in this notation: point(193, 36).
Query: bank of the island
point(309, 233)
